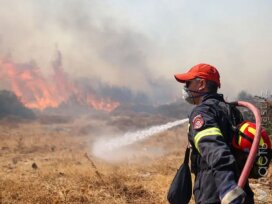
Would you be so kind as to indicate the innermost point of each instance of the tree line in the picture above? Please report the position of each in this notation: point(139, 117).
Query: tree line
point(10, 105)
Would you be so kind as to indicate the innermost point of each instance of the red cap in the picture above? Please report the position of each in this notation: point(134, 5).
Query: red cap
point(203, 71)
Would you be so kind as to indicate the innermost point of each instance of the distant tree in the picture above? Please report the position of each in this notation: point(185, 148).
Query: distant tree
point(257, 101)
point(10, 105)
point(244, 96)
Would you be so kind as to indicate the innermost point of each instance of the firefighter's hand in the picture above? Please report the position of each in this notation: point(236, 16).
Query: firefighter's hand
point(234, 196)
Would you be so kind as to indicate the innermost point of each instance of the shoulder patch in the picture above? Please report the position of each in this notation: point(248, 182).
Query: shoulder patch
point(198, 122)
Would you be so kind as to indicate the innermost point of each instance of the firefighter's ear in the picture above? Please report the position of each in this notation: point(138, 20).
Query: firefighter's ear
point(202, 85)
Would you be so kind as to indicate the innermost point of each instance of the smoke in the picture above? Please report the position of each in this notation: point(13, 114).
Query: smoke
point(93, 43)
point(135, 48)
point(106, 148)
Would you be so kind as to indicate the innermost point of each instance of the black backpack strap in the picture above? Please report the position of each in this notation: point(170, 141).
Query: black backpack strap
point(233, 115)
point(187, 154)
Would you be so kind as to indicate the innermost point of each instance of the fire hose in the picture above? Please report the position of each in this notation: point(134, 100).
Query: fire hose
point(255, 145)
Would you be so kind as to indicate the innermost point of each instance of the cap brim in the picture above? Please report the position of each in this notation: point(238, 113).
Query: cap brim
point(182, 78)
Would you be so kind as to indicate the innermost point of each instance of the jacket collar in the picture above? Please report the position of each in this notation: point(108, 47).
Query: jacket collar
point(217, 96)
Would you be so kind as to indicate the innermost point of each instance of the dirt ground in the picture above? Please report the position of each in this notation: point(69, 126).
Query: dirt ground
point(50, 163)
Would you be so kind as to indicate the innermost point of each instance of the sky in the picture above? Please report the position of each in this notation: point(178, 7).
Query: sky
point(141, 44)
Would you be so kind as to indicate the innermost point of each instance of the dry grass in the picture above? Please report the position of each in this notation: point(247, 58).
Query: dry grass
point(54, 164)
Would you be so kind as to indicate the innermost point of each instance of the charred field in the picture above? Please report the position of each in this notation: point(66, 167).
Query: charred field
point(51, 161)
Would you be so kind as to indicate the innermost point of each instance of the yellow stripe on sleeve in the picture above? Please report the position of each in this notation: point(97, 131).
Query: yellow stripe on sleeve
point(204, 133)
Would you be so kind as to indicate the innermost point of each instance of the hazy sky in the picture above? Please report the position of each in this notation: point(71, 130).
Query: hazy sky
point(142, 44)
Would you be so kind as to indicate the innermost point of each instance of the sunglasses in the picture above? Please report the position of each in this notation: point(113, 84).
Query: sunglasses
point(188, 83)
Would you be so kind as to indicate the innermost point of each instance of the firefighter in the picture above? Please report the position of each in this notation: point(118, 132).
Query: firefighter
point(210, 135)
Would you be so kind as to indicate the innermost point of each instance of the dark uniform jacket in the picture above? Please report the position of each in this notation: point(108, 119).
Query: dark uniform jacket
point(212, 161)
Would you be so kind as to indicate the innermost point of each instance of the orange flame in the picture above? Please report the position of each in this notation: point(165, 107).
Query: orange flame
point(35, 91)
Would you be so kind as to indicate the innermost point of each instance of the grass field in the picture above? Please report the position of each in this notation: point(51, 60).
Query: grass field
point(53, 163)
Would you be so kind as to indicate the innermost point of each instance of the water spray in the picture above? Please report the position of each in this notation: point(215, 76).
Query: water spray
point(104, 146)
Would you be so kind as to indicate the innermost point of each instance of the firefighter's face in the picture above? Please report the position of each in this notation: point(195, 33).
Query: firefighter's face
point(194, 88)
point(197, 84)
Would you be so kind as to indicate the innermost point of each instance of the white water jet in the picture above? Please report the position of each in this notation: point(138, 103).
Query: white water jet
point(105, 146)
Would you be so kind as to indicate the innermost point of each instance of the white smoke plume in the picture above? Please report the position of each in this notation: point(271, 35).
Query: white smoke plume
point(144, 43)
point(102, 148)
